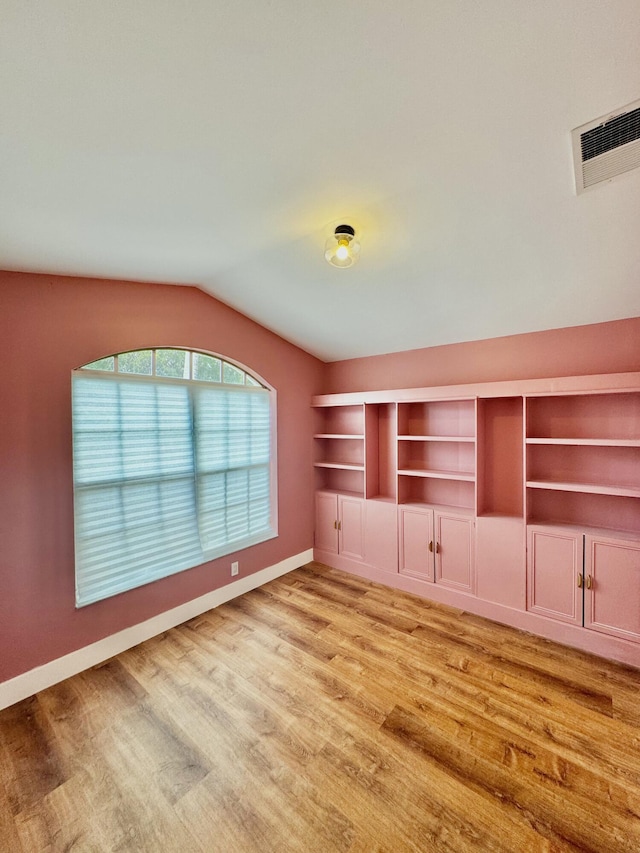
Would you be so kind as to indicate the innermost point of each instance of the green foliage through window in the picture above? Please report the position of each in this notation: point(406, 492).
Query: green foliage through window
point(172, 363)
point(107, 363)
point(136, 362)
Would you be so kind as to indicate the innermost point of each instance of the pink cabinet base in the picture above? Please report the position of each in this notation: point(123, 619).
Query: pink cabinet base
point(326, 531)
point(455, 551)
point(554, 574)
point(350, 527)
point(500, 560)
point(416, 534)
point(381, 535)
point(612, 587)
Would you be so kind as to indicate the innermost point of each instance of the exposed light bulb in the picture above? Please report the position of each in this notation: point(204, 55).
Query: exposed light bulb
point(342, 252)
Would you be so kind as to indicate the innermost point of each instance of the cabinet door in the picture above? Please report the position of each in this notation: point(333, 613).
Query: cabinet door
point(381, 535)
point(454, 551)
point(326, 533)
point(416, 535)
point(351, 527)
point(554, 574)
point(612, 587)
point(501, 573)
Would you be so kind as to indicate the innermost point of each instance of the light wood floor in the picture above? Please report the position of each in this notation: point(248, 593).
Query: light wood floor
point(325, 713)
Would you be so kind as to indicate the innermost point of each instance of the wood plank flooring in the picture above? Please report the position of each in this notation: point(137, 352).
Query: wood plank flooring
point(325, 713)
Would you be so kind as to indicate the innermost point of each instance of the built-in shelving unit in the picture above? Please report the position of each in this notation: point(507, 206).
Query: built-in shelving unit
point(583, 460)
point(340, 450)
point(436, 453)
point(561, 458)
point(380, 451)
point(500, 455)
point(519, 501)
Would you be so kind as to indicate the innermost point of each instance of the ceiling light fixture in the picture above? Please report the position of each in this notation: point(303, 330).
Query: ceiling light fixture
point(342, 249)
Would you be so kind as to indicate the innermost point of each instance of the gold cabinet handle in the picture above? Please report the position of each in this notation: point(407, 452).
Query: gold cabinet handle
point(339, 525)
point(437, 547)
point(431, 546)
point(589, 582)
point(335, 525)
point(579, 580)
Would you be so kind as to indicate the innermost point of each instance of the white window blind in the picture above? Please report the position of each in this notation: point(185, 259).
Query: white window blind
point(232, 459)
point(167, 474)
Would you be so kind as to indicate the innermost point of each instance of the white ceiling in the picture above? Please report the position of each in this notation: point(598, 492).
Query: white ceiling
point(214, 142)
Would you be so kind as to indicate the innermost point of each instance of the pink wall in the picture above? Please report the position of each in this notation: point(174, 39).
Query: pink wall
point(602, 348)
point(50, 325)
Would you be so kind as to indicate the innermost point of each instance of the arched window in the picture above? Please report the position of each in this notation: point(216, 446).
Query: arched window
point(174, 465)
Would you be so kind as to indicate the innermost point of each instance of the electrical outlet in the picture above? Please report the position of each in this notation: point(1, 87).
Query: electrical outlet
point(234, 569)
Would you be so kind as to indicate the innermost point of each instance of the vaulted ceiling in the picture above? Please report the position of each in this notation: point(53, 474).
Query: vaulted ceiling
point(216, 143)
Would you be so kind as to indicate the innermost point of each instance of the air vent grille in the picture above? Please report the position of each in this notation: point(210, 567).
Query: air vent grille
point(607, 147)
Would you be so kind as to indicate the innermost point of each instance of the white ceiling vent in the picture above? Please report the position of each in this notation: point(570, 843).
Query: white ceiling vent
point(607, 147)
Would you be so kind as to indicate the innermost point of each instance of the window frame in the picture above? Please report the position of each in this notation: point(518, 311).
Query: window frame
point(260, 386)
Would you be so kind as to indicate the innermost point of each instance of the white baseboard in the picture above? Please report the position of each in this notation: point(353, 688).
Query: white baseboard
point(41, 677)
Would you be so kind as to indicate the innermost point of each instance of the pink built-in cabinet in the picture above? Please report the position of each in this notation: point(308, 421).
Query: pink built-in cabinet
point(519, 501)
point(437, 546)
point(583, 506)
point(436, 480)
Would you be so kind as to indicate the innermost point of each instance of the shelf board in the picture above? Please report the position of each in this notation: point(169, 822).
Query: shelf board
point(513, 516)
point(585, 488)
point(588, 442)
point(464, 476)
point(337, 435)
point(342, 466)
point(466, 511)
point(459, 438)
point(345, 493)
